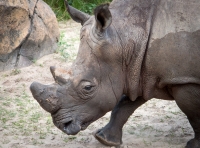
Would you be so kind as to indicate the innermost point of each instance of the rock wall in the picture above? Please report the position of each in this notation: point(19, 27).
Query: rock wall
point(28, 31)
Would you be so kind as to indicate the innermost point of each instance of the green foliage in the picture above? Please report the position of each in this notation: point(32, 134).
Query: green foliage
point(59, 8)
point(86, 6)
point(66, 47)
point(63, 45)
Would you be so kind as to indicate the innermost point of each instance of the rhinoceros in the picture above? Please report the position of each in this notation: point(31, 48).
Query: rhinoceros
point(130, 52)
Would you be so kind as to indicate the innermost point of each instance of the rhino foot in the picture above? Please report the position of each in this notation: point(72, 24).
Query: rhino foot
point(193, 143)
point(109, 137)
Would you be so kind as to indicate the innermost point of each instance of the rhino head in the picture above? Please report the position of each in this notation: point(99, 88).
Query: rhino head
point(94, 83)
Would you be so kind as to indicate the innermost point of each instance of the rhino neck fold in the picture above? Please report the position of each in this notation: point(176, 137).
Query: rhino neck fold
point(137, 17)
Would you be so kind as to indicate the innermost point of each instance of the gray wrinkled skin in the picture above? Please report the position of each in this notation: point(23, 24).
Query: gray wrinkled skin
point(130, 51)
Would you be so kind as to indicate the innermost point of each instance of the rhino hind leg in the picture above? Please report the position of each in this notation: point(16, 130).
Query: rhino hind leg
point(187, 98)
point(111, 134)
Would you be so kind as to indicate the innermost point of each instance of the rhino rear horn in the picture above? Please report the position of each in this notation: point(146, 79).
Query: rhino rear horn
point(76, 15)
point(60, 75)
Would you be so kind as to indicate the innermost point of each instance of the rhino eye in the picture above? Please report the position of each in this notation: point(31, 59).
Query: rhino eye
point(87, 90)
point(88, 87)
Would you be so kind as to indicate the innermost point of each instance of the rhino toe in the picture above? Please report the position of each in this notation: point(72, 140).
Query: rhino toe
point(107, 139)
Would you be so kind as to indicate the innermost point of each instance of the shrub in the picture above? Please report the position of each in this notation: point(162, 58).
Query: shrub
point(86, 6)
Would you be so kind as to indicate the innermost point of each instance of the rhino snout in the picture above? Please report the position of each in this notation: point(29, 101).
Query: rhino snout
point(45, 96)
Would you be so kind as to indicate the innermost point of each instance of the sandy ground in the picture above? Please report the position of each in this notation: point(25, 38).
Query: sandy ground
point(24, 124)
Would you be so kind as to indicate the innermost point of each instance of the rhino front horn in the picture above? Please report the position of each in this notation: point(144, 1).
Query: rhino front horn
point(45, 96)
point(76, 15)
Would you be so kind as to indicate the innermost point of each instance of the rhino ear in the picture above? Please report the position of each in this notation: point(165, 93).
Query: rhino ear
point(103, 17)
point(76, 15)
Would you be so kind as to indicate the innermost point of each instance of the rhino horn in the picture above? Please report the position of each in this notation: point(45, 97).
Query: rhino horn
point(76, 15)
point(60, 75)
point(45, 96)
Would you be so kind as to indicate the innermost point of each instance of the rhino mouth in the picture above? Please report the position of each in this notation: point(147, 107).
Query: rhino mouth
point(72, 127)
point(71, 124)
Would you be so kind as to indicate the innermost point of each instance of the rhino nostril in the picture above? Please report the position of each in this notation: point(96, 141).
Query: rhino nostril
point(66, 125)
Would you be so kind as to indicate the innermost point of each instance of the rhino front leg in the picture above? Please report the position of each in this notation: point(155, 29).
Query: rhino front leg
point(111, 134)
point(187, 98)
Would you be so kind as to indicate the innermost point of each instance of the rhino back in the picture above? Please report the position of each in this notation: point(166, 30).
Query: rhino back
point(173, 16)
point(173, 53)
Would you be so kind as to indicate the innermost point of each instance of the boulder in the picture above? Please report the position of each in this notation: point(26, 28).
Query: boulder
point(28, 31)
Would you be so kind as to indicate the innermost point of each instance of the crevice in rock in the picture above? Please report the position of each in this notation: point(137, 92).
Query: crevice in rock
point(31, 27)
point(18, 55)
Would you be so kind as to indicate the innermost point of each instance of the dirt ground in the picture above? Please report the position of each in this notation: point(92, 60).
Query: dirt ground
point(24, 124)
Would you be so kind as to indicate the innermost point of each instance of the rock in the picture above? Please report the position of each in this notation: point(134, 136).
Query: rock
point(28, 31)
